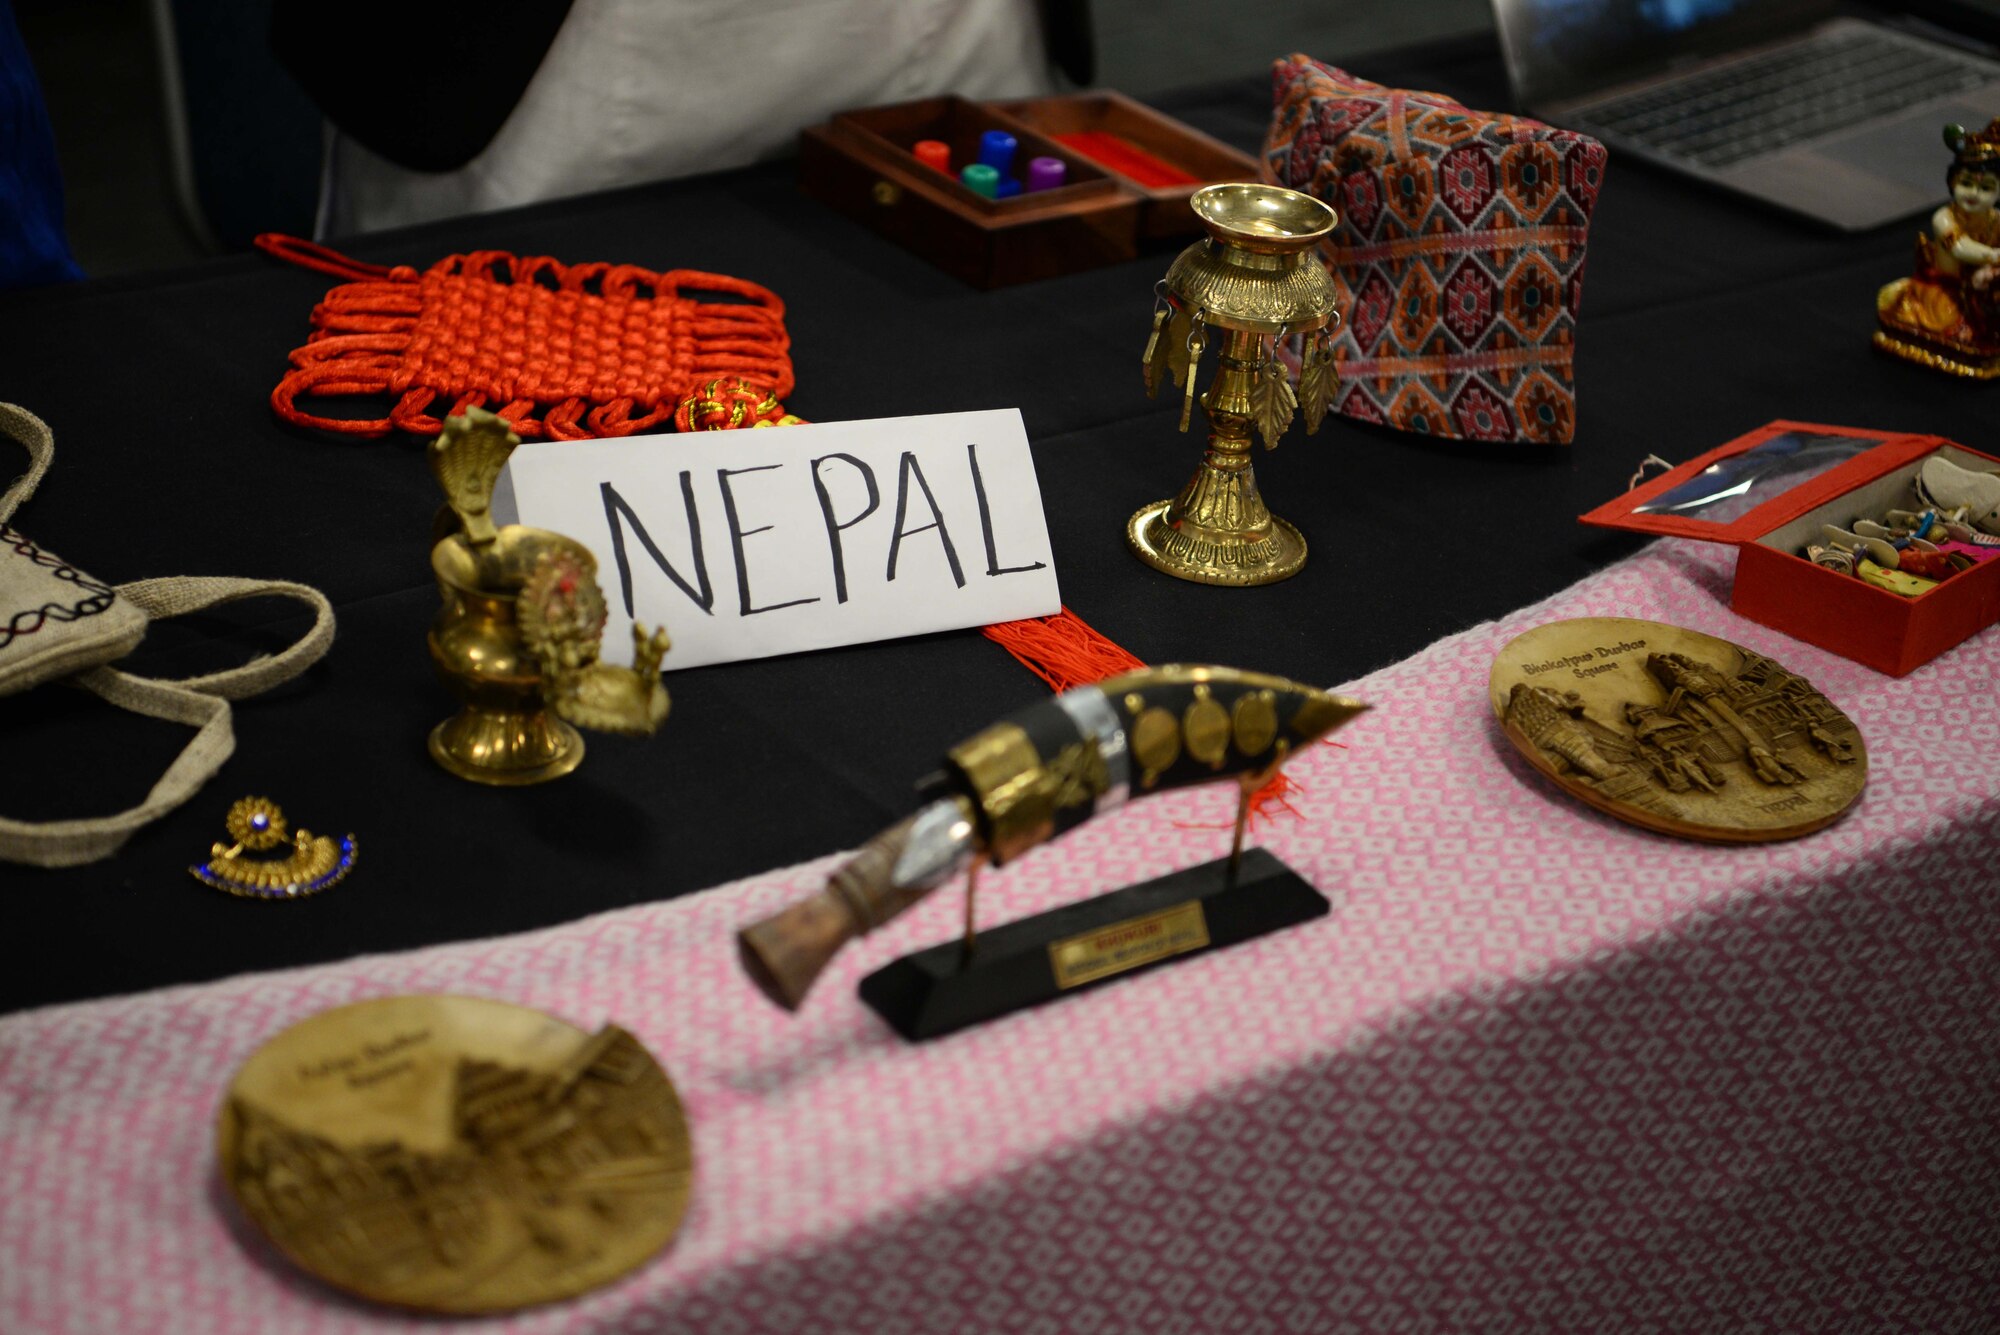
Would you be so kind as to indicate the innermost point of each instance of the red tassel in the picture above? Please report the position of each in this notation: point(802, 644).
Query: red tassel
point(1277, 793)
point(1274, 796)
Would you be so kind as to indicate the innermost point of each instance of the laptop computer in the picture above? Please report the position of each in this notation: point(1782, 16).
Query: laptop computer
point(1831, 117)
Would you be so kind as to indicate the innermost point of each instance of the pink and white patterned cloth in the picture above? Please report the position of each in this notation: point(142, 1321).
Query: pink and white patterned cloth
point(1537, 1071)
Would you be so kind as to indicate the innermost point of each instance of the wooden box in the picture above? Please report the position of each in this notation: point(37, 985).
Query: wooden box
point(861, 163)
point(1772, 490)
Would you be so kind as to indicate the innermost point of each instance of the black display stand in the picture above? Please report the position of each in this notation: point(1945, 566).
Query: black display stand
point(947, 988)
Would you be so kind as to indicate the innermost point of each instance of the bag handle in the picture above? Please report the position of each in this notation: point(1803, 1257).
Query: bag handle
point(201, 702)
point(177, 594)
point(34, 436)
point(68, 843)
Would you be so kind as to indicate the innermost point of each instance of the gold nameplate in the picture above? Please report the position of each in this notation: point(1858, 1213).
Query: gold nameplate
point(1104, 951)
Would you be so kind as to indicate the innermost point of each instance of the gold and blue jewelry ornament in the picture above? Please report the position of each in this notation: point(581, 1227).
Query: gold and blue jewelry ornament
point(310, 864)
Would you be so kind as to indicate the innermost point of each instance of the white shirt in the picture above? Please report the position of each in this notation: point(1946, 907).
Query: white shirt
point(644, 90)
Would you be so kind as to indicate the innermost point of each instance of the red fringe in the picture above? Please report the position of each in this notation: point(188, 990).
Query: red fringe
point(1063, 650)
point(1266, 801)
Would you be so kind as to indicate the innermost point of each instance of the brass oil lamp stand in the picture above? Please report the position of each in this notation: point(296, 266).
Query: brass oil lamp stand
point(1255, 279)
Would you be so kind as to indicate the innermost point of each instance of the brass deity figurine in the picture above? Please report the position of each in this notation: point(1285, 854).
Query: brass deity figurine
point(1256, 279)
point(1946, 315)
point(517, 639)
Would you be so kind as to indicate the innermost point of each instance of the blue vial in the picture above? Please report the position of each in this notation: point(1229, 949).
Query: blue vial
point(996, 150)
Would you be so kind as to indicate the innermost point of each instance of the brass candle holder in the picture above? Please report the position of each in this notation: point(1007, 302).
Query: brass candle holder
point(517, 637)
point(1254, 277)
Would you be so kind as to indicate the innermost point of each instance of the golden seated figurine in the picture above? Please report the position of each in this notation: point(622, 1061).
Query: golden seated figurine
point(1946, 315)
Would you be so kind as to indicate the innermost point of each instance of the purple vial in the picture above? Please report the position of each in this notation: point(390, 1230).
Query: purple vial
point(1046, 173)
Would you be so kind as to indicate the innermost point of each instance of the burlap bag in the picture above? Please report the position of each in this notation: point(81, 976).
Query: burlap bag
point(59, 624)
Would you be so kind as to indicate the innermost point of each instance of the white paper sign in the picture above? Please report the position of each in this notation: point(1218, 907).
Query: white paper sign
point(751, 543)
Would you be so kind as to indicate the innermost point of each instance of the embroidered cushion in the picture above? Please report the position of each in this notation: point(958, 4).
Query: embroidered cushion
point(1458, 256)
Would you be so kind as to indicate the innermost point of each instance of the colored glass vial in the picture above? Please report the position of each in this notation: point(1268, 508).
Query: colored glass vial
point(982, 179)
point(996, 150)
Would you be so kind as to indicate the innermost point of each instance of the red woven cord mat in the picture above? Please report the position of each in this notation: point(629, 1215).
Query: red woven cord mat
point(569, 351)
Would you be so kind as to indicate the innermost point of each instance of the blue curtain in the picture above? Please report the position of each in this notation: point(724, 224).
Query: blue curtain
point(33, 248)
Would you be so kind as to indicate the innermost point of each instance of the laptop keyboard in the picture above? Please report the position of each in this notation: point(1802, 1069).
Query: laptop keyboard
point(1767, 102)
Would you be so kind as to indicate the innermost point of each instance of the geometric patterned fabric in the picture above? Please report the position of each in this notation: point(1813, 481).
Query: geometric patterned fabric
point(1536, 1071)
point(1459, 254)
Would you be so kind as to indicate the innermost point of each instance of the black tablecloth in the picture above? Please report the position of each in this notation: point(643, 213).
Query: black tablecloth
point(1703, 317)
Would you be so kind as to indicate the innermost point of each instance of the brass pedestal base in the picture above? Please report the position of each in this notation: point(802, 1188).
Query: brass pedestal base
point(1215, 556)
point(506, 750)
point(1952, 361)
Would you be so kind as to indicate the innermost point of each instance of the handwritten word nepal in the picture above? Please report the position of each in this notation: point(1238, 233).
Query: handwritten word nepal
point(847, 491)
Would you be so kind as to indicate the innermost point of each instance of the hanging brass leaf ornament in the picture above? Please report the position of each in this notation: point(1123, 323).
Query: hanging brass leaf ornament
point(1272, 402)
point(1180, 332)
point(1318, 377)
point(1196, 341)
point(1155, 360)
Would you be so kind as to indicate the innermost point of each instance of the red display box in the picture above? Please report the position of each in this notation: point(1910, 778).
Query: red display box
point(1769, 492)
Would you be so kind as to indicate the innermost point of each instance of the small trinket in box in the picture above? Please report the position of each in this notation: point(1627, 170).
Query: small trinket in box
point(1085, 180)
point(1794, 498)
